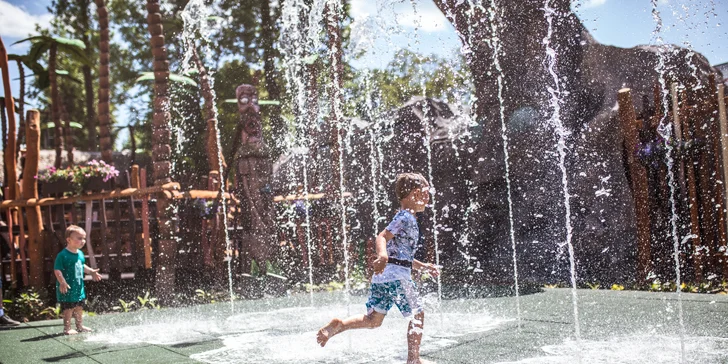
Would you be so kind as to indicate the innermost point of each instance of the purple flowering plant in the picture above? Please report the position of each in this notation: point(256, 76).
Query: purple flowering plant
point(52, 174)
point(78, 174)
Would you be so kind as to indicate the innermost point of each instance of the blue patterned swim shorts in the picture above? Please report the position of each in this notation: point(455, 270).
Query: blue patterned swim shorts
point(402, 293)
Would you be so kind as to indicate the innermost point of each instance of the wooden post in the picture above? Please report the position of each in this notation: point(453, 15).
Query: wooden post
point(11, 243)
point(677, 129)
point(30, 190)
point(705, 182)
point(22, 248)
point(104, 229)
point(135, 183)
point(145, 222)
point(89, 226)
point(136, 253)
point(692, 193)
point(723, 122)
point(639, 183)
point(10, 147)
point(718, 202)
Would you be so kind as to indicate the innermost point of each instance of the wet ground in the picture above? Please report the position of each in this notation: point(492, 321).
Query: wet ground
point(616, 327)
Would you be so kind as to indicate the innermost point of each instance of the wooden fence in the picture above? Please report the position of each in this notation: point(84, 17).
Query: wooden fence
point(696, 181)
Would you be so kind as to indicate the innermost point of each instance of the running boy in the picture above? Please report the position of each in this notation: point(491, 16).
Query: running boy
point(69, 269)
point(392, 281)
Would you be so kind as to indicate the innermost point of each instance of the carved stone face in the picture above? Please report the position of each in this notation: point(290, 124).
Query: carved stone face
point(249, 110)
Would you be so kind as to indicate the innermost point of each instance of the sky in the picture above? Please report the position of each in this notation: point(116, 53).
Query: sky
point(381, 27)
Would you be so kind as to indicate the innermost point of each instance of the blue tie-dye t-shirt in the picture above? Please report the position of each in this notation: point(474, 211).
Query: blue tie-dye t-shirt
point(403, 246)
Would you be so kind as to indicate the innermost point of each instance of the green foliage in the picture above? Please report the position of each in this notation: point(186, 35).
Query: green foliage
point(617, 287)
point(147, 301)
point(205, 297)
point(124, 306)
point(405, 76)
point(27, 306)
point(53, 312)
point(593, 286)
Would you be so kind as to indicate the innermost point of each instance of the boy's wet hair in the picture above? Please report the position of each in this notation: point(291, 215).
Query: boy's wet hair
point(74, 229)
point(408, 182)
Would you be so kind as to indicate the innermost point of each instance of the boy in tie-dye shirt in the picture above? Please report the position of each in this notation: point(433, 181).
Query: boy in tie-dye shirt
point(392, 281)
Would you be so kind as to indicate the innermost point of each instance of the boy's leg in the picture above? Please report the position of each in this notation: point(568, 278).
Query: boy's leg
point(67, 313)
point(414, 338)
point(78, 316)
point(337, 326)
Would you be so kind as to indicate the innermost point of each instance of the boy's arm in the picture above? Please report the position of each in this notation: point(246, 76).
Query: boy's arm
point(426, 267)
point(94, 272)
point(380, 244)
point(63, 286)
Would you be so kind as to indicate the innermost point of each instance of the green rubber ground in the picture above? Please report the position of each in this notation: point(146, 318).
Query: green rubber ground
point(615, 327)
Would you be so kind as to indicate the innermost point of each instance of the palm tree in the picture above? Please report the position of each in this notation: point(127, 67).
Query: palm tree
point(104, 86)
point(72, 47)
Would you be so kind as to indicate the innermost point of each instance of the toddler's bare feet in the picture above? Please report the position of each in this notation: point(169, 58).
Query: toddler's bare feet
point(70, 332)
point(328, 331)
point(83, 329)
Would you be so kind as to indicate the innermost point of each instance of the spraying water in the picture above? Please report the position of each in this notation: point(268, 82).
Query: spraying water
point(496, 45)
point(563, 134)
point(665, 130)
point(195, 16)
point(301, 40)
point(428, 139)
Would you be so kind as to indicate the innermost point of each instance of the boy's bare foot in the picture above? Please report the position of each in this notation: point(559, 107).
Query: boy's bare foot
point(328, 331)
point(83, 329)
point(70, 332)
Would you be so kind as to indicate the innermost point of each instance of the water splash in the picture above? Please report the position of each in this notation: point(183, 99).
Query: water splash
point(562, 133)
point(427, 124)
point(195, 16)
point(665, 130)
point(299, 44)
point(334, 8)
point(496, 46)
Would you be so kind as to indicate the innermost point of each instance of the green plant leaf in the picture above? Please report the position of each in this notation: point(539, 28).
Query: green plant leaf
point(149, 76)
point(70, 42)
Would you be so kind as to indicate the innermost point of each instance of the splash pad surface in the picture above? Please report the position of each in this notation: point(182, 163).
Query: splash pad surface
point(617, 327)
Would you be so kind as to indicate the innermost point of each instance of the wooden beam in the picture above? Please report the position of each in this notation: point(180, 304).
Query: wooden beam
point(30, 191)
point(128, 192)
point(638, 175)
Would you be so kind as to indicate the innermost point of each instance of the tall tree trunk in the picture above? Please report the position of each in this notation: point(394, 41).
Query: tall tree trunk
point(21, 108)
point(161, 151)
point(133, 144)
point(104, 88)
point(212, 149)
point(87, 81)
point(268, 36)
point(55, 109)
point(68, 134)
point(91, 142)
